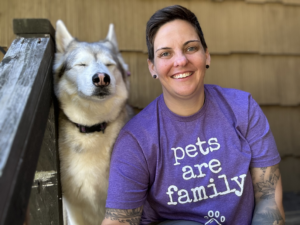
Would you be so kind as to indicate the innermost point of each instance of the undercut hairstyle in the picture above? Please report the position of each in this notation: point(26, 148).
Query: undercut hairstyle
point(168, 14)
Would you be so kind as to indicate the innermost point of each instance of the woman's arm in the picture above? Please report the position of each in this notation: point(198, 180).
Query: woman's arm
point(268, 196)
point(123, 216)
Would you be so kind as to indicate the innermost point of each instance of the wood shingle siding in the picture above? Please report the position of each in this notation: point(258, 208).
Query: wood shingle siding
point(229, 26)
point(285, 123)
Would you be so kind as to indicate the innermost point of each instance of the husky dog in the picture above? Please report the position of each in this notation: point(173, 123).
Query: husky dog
point(90, 82)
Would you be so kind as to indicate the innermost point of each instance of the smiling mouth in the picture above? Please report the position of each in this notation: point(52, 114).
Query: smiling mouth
point(182, 75)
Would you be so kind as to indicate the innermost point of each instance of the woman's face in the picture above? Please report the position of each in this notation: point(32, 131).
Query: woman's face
point(179, 60)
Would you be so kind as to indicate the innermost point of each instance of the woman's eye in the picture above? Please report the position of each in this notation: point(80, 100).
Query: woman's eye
point(190, 49)
point(164, 54)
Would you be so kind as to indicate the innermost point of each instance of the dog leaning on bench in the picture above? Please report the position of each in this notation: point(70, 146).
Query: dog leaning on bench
point(90, 82)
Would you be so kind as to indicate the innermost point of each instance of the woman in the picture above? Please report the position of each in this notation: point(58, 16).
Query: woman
point(198, 154)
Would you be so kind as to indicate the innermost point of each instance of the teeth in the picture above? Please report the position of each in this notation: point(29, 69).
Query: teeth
point(182, 75)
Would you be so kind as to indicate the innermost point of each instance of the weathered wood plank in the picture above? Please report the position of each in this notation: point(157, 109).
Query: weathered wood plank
point(25, 98)
point(16, 82)
point(291, 201)
point(292, 218)
point(45, 200)
point(290, 173)
point(26, 27)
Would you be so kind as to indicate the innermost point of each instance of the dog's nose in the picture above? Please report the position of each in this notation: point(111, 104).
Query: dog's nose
point(101, 79)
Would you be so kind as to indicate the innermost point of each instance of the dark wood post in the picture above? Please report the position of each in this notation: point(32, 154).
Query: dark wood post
point(27, 109)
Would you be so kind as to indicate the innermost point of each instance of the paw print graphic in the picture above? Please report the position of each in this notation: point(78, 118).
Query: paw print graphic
point(213, 216)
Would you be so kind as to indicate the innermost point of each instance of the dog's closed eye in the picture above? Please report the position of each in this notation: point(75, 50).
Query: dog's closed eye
point(109, 64)
point(81, 64)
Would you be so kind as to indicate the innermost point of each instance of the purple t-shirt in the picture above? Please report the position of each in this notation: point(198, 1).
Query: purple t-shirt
point(192, 168)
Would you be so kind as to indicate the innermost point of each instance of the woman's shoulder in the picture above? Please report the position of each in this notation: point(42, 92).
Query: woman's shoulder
point(235, 103)
point(230, 96)
point(227, 92)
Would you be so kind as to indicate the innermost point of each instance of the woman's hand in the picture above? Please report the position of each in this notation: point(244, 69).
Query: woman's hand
point(268, 196)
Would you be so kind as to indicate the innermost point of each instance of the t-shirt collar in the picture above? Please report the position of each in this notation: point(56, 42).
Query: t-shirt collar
point(166, 111)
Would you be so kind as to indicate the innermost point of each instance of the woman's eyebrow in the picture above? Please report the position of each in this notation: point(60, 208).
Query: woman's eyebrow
point(190, 42)
point(162, 48)
point(183, 45)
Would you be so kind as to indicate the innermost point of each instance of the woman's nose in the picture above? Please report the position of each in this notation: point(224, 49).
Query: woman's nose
point(180, 60)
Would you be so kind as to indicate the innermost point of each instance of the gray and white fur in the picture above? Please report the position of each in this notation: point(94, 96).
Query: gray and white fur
point(91, 85)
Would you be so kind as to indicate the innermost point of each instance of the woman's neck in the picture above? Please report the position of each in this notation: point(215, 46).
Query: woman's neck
point(185, 106)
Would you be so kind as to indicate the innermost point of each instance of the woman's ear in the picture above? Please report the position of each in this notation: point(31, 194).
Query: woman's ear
point(151, 67)
point(207, 57)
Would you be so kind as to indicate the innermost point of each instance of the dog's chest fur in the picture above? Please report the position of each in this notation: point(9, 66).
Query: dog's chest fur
point(85, 159)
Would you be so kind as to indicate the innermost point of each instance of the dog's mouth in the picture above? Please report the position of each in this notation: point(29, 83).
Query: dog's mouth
point(97, 94)
point(101, 92)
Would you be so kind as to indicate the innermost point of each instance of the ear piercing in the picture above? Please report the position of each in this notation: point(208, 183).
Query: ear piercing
point(207, 66)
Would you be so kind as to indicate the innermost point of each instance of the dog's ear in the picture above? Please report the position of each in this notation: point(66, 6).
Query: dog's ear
point(111, 36)
point(62, 37)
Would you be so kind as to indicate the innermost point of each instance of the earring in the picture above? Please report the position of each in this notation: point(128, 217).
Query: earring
point(154, 76)
point(207, 66)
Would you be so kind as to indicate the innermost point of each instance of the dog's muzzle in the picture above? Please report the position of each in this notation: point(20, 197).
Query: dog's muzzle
point(101, 79)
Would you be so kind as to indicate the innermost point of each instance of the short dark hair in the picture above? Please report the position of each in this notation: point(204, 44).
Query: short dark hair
point(166, 15)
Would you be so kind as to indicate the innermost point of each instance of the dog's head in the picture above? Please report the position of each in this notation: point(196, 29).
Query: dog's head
point(93, 68)
point(88, 72)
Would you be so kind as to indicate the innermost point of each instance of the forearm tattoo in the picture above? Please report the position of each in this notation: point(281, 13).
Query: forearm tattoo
point(266, 210)
point(131, 216)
